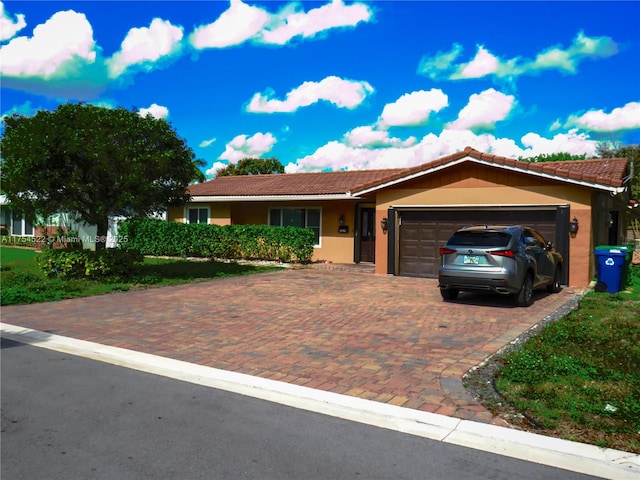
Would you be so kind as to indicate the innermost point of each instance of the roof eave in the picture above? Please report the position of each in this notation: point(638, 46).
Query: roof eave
point(513, 168)
point(269, 198)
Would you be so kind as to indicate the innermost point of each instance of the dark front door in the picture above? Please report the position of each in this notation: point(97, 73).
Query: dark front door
point(367, 235)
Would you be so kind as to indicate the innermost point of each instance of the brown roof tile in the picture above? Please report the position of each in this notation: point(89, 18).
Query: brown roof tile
point(318, 183)
point(603, 172)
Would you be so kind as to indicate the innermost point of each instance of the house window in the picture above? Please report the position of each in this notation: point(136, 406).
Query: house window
point(21, 226)
point(296, 217)
point(198, 215)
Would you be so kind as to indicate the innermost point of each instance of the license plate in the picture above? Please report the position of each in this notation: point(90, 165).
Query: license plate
point(471, 259)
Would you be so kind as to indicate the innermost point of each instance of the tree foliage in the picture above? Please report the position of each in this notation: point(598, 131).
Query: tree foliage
point(95, 162)
point(631, 153)
point(252, 166)
point(554, 157)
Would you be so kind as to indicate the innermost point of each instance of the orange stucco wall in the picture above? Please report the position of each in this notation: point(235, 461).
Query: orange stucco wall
point(487, 187)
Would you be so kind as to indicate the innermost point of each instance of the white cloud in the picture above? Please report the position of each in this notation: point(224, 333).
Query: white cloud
point(413, 108)
point(235, 26)
point(207, 143)
point(289, 24)
point(340, 156)
point(570, 142)
point(484, 110)
point(622, 118)
point(155, 110)
point(61, 46)
point(567, 60)
point(433, 67)
point(486, 63)
point(342, 93)
point(241, 23)
point(213, 171)
point(369, 137)
point(144, 46)
point(9, 27)
point(243, 146)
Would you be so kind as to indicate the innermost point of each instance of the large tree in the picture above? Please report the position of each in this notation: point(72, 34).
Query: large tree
point(95, 162)
point(252, 166)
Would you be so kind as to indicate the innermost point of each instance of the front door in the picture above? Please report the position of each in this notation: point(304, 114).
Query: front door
point(367, 235)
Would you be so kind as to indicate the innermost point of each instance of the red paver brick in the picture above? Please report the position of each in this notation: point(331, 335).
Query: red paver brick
point(389, 339)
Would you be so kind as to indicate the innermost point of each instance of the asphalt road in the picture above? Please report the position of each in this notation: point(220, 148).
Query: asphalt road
point(67, 417)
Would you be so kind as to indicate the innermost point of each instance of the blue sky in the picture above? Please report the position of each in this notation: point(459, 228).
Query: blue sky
point(335, 85)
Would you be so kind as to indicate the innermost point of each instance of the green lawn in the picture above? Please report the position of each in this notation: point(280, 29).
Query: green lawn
point(579, 378)
point(23, 282)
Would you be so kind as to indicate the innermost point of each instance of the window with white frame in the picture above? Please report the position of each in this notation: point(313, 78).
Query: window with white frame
point(198, 215)
point(296, 217)
point(21, 226)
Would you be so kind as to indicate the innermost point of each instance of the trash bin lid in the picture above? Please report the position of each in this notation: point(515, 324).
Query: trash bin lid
point(604, 249)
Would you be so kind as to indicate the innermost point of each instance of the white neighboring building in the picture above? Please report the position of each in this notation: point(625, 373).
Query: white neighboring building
point(18, 226)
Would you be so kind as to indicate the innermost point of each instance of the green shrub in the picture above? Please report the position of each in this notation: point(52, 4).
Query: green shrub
point(89, 264)
point(246, 242)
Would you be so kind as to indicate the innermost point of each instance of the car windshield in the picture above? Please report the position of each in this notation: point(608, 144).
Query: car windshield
point(480, 239)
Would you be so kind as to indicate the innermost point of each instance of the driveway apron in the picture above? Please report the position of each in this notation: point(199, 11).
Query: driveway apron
point(384, 338)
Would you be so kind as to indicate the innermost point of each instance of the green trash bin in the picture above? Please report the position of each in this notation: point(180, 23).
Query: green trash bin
point(612, 266)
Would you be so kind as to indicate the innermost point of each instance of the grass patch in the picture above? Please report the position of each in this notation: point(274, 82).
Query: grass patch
point(24, 282)
point(579, 378)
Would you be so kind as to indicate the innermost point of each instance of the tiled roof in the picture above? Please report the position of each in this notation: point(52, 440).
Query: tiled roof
point(318, 183)
point(599, 173)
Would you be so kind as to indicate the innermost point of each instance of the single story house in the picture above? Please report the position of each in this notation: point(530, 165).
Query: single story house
point(399, 218)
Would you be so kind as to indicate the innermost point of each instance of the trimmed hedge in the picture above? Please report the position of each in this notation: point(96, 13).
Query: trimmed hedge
point(235, 242)
point(88, 264)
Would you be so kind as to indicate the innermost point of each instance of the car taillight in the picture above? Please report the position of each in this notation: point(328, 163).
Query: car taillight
point(504, 253)
point(446, 251)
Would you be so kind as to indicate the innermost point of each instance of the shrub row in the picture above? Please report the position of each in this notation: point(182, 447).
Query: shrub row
point(110, 262)
point(235, 242)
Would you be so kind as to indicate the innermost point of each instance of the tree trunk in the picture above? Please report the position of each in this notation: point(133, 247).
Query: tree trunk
point(101, 235)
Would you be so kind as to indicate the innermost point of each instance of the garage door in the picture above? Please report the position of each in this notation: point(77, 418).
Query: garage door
point(422, 233)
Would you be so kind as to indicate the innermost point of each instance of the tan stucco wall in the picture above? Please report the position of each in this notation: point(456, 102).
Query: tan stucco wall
point(490, 189)
point(334, 246)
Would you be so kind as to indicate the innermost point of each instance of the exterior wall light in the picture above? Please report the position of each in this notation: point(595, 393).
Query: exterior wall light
point(573, 226)
point(342, 228)
point(384, 224)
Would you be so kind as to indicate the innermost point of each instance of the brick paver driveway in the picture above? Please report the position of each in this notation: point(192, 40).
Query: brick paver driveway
point(384, 338)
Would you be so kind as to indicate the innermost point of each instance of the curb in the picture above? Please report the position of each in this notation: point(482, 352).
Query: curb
point(531, 447)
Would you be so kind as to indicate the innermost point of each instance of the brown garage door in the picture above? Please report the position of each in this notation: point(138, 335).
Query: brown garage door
point(422, 233)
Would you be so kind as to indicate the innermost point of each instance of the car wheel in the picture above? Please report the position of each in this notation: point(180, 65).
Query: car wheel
point(525, 296)
point(554, 286)
point(449, 294)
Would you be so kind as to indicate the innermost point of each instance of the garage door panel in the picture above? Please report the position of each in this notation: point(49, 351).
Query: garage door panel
point(422, 233)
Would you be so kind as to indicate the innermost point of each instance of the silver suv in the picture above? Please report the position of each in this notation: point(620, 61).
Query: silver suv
point(510, 260)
